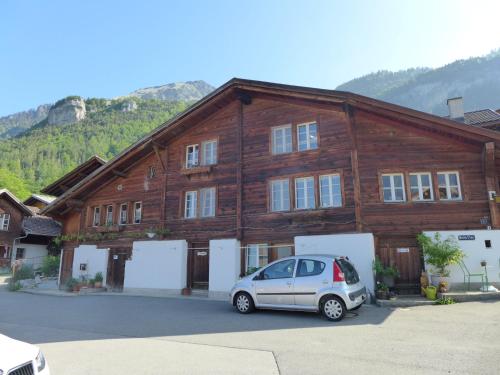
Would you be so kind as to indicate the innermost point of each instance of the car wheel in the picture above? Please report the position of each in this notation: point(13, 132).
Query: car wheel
point(333, 308)
point(357, 307)
point(244, 303)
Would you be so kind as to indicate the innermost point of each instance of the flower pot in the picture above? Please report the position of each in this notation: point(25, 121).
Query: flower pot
point(431, 292)
point(382, 294)
point(98, 284)
point(389, 281)
point(76, 288)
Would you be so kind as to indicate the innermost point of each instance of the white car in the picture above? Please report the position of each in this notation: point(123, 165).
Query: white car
point(21, 358)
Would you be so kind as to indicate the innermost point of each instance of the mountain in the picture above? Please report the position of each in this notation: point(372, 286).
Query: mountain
point(48, 150)
point(191, 90)
point(476, 79)
point(16, 123)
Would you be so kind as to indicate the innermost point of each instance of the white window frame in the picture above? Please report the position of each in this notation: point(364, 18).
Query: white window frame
point(151, 172)
point(193, 211)
point(137, 211)
point(287, 148)
point(121, 221)
point(4, 221)
point(284, 202)
point(420, 187)
point(96, 218)
point(108, 212)
point(196, 158)
point(392, 187)
point(448, 186)
point(213, 152)
point(260, 247)
point(307, 125)
point(203, 200)
point(331, 200)
point(307, 199)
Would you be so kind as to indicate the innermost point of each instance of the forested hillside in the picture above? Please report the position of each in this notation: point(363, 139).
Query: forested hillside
point(46, 152)
point(476, 79)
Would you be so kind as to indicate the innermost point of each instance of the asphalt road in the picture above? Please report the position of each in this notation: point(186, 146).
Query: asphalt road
point(141, 335)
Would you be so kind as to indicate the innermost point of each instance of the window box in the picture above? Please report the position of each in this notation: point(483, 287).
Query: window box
point(196, 170)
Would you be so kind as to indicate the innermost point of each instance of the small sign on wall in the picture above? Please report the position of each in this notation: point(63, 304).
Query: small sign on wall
point(403, 249)
point(115, 257)
point(83, 266)
point(466, 237)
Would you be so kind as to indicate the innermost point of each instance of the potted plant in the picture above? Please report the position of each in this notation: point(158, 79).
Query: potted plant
point(386, 275)
point(98, 278)
point(440, 254)
point(73, 285)
point(382, 291)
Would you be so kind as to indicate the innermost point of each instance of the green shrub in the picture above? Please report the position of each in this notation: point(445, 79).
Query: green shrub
point(50, 266)
point(23, 273)
point(381, 270)
point(440, 253)
point(71, 283)
point(14, 286)
point(445, 301)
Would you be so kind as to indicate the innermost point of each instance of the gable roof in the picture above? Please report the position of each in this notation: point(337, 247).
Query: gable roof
point(242, 89)
point(74, 176)
point(45, 199)
point(4, 193)
point(41, 226)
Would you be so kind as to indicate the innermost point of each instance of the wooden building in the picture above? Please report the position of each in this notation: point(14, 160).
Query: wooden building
point(263, 163)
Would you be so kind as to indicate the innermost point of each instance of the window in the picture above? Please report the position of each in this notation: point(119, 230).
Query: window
point(282, 139)
point(280, 195)
point(330, 193)
point(137, 212)
point(307, 136)
point(209, 152)
point(4, 221)
point(421, 187)
point(393, 187)
point(20, 253)
point(280, 270)
point(190, 204)
point(308, 267)
point(97, 217)
point(257, 257)
point(109, 215)
point(192, 156)
point(207, 202)
point(449, 186)
point(124, 213)
point(151, 172)
point(304, 193)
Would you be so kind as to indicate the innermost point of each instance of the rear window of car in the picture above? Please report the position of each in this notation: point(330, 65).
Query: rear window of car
point(309, 267)
point(350, 274)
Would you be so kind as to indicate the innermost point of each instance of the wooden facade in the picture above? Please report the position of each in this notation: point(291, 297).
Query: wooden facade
point(359, 139)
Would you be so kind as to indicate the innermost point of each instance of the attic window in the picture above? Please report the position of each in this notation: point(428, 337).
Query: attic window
point(151, 172)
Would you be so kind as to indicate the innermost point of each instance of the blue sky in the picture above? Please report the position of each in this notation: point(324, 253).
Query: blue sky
point(96, 48)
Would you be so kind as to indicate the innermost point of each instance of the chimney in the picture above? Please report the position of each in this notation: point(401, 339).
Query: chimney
point(456, 108)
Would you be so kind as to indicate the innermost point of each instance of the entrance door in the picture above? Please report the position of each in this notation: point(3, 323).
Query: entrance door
point(116, 268)
point(199, 255)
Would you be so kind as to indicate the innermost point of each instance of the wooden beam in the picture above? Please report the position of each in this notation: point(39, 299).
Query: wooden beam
point(156, 149)
point(163, 205)
point(349, 111)
point(118, 173)
point(491, 180)
point(74, 203)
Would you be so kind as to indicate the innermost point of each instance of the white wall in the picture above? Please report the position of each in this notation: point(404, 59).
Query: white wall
point(96, 260)
point(224, 266)
point(475, 251)
point(160, 265)
point(359, 247)
point(33, 254)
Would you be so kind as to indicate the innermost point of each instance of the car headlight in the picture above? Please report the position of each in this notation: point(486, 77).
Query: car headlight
point(40, 361)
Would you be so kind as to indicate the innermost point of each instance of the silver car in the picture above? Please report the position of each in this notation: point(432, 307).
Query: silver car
point(323, 283)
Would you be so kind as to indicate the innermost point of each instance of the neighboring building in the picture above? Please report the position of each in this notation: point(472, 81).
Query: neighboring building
point(483, 118)
point(38, 201)
point(24, 236)
point(256, 171)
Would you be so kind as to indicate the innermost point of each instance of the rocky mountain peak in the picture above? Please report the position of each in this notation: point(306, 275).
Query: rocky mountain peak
point(67, 111)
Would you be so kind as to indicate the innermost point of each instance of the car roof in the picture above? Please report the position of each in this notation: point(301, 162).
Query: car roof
point(330, 256)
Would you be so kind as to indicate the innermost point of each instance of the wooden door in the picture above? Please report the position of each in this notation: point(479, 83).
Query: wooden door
point(199, 263)
point(116, 268)
point(403, 253)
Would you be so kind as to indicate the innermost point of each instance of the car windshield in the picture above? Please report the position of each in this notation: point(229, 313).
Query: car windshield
point(350, 274)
